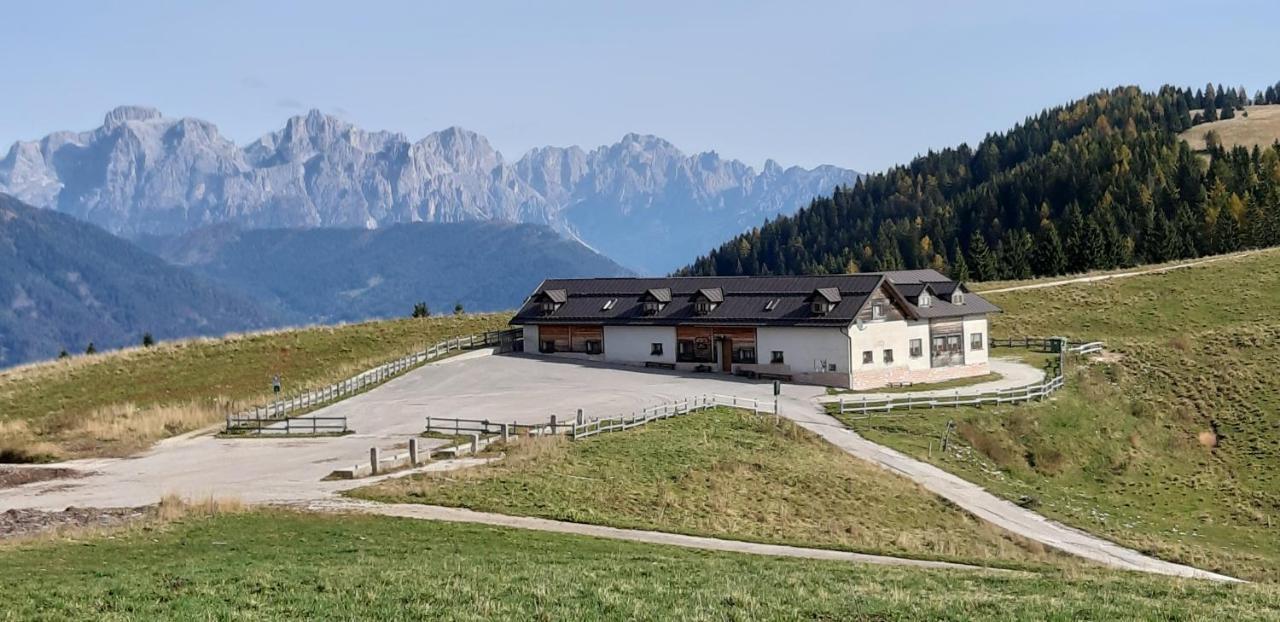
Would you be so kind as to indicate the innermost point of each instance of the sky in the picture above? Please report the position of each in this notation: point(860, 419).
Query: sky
point(864, 85)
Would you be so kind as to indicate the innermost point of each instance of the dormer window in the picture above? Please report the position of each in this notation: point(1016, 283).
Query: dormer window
point(703, 307)
point(925, 299)
point(877, 310)
point(707, 299)
point(654, 300)
point(551, 299)
point(957, 297)
point(823, 300)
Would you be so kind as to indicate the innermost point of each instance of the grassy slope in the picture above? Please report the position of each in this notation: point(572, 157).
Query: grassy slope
point(719, 473)
point(1172, 446)
point(289, 566)
point(115, 403)
point(1260, 128)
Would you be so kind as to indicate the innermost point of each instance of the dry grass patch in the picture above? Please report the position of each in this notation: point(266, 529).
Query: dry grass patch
point(117, 403)
point(721, 473)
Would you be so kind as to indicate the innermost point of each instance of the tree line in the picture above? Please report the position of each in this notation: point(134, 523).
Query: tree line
point(1102, 182)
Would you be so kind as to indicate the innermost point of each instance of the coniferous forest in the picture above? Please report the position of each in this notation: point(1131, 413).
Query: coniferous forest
point(1099, 183)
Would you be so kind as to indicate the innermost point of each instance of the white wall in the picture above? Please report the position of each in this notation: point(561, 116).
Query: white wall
point(976, 324)
point(531, 339)
point(894, 335)
point(801, 346)
point(633, 344)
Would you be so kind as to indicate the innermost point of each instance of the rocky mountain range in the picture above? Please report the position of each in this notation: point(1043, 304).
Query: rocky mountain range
point(640, 201)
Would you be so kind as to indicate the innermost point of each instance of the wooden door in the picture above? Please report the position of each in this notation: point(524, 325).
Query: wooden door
point(726, 355)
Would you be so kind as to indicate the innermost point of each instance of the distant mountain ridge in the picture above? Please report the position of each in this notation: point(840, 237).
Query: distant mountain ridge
point(330, 275)
point(640, 201)
point(65, 283)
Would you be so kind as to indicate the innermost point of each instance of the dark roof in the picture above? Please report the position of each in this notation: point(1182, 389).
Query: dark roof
point(743, 300)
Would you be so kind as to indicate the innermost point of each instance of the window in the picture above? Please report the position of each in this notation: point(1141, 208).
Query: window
point(925, 299)
point(652, 308)
point(820, 307)
point(772, 304)
point(776, 357)
point(702, 307)
point(593, 346)
point(916, 348)
point(744, 355)
point(877, 310)
point(975, 341)
point(655, 349)
point(832, 367)
point(867, 357)
point(957, 298)
point(547, 346)
point(888, 356)
point(685, 350)
point(549, 307)
point(609, 304)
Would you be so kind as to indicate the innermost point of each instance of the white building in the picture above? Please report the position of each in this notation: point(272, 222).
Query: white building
point(856, 331)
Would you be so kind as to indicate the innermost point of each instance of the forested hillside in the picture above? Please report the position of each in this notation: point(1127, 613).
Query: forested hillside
point(1098, 183)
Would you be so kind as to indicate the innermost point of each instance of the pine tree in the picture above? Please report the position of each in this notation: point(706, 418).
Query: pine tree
point(420, 310)
point(63, 354)
point(1051, 259)
point(148, 340)
point(90, 349)
point(1077, 255)
point(985, 264)
point(457, 308)
point(959, 267)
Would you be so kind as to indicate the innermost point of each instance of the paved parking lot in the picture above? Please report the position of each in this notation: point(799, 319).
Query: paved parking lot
point(471, 386)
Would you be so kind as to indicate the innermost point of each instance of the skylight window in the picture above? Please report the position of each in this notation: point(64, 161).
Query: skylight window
point(608, 304)
point(772, 304)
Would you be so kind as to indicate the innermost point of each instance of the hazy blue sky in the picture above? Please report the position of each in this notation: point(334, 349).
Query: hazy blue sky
point(862, 85)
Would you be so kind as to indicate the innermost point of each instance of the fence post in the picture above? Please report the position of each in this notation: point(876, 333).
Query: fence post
point(373, 460)
point(475, 443)
point(553, 423)
point(579, 416)
point(506, 432)
point(413, 450)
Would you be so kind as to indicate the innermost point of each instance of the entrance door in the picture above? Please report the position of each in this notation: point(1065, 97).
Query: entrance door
point(726, 355)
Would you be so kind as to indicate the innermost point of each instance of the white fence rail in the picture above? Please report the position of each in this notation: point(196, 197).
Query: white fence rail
point(864, 407)
point(282, 408)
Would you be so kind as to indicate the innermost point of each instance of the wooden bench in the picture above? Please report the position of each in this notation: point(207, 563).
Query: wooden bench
point(657, 365)
point(703, 368)
point(771, 376)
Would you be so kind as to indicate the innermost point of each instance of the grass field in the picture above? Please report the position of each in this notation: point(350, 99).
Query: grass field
point(1260, 128)
point(292, 566)
point(720, 473)
point(1170, 444)
point(119, 402)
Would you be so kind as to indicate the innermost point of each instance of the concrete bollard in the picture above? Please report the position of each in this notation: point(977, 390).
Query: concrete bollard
point(373, 460)
point(413, 451)
point(506, 433)
point(579, 416)
point(475, 443)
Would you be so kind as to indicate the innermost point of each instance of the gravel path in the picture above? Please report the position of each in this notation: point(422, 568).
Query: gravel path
point(1013, 373)
point(977, 501)
point(459, 515)
point(1118, 275)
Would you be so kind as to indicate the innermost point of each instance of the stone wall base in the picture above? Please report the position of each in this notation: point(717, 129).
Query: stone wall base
point(875, 379)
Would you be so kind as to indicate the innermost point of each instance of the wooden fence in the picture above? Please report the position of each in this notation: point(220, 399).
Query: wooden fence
point(579, 427)
point(289, 426)
point(282, 408)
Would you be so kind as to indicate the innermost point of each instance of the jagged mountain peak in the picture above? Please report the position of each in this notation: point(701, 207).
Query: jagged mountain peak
point(122, 114)
point(640, 200)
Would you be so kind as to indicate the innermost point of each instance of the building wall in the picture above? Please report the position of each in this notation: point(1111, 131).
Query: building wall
point(633, 344)
point(803, 347)
point(976, 324)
